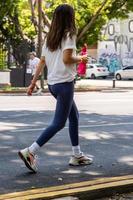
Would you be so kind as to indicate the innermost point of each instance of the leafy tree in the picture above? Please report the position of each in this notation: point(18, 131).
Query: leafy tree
point(19, 24)
point(92, 15)
point(13, 29)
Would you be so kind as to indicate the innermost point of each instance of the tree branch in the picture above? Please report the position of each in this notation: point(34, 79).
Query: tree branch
point(87, 27)
point(33, 18)
point(46, 20)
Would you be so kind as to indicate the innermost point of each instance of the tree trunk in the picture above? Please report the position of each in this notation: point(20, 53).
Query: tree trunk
point(33, 18)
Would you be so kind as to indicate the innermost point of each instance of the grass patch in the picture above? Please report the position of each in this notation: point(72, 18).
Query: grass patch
point(10, 88)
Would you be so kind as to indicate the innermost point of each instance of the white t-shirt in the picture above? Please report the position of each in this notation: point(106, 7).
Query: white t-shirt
point(58, 72)
point(33, 64)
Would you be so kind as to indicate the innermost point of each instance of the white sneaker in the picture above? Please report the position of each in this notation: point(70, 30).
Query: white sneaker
point(29, 159)
point(39, 91)
point(83, 160)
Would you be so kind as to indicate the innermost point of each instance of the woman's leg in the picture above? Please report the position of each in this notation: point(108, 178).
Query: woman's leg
point(74, 130)
point(64, 95)
point(78, 157)
point(73, 125)
point(65, 108)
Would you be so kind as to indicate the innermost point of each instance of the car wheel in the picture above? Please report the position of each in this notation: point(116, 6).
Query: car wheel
point(118, 76)
point(93, 76)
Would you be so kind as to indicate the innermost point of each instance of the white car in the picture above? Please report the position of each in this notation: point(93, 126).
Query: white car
point(95, 70)
point(125, 73)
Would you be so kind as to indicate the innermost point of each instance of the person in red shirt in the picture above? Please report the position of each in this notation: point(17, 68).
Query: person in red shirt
point(81, 69)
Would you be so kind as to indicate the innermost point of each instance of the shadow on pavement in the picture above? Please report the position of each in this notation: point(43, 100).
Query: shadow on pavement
point(107, 139)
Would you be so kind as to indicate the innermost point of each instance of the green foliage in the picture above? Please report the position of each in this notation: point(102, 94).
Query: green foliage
point(10, 9)
point(25, 19)
point(7, 12)
point(15, 27)
point(15, 18)
point(119, 9)
point(3, 63)
point(84, 11)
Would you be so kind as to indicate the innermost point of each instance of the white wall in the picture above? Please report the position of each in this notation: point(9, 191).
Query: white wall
point(4, 77)
point(116, 47)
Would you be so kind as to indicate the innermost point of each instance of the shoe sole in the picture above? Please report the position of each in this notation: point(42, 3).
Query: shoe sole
point(26, 163)
point(81, 164)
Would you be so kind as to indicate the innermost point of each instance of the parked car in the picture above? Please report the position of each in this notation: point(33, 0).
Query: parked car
point(125, 73)
point(95, 70)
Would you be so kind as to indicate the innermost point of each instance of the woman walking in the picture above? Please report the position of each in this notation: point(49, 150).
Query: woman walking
point(59, 55)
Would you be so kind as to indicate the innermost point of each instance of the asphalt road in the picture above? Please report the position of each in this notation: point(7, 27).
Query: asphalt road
point(106, 134)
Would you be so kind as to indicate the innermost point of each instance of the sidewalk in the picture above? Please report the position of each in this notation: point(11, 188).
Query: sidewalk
point(104, 84)
point(84, 85)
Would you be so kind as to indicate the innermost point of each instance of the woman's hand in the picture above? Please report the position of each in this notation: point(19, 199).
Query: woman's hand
point(84, 58)
point(30, 89)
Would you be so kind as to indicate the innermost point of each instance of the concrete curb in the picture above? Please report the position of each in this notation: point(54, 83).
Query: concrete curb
point(77, 89)
point(46, 91)
point(84, 190)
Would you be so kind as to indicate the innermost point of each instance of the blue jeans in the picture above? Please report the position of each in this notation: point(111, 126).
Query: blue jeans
point(65, 108)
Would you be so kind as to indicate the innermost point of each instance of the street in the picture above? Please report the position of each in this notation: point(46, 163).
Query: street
point(106, 134)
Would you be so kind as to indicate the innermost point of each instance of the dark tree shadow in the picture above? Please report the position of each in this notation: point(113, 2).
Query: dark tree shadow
point(107, 139)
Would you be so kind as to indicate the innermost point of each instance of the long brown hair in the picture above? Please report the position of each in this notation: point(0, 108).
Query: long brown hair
point(63, 22)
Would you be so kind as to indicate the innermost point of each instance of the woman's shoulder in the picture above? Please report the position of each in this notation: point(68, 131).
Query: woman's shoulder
point(70, 35)
point(69, 38)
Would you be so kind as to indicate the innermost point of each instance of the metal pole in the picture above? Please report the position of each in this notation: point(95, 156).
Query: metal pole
point(113, 83)
point(8, 54)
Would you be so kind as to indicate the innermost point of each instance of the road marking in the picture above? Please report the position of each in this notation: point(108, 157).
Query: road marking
point(96, 188)
point(81, 126)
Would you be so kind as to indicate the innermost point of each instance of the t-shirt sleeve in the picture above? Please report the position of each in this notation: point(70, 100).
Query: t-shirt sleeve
point(69, 43)
point(37, 60)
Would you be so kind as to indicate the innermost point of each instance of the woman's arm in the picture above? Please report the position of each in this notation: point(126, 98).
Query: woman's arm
point(68, 58)
point(39, 69)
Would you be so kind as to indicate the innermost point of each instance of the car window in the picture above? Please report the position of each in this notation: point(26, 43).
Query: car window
point(99, 66)
point(128, 68)
point(90, 67)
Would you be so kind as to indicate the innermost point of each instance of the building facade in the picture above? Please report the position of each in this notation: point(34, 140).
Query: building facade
point(116, 48)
